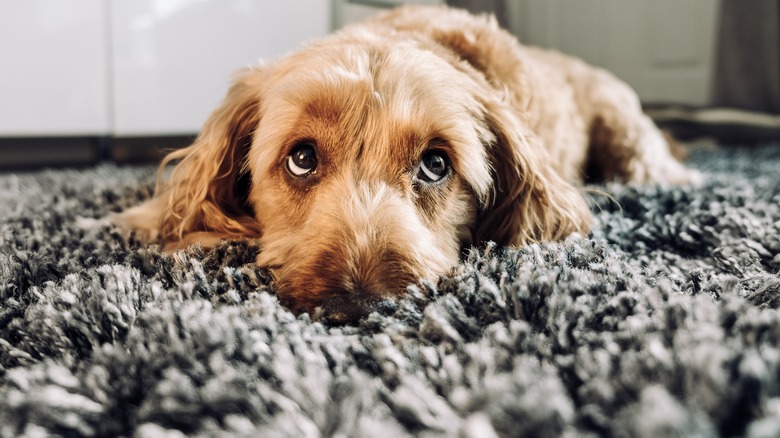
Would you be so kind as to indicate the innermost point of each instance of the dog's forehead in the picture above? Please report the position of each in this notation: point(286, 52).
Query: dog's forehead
point(400, 84)
point(377, 102)
point(400, 76)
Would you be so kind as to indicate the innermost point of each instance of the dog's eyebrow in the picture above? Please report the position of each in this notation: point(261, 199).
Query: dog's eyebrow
point(324, 110)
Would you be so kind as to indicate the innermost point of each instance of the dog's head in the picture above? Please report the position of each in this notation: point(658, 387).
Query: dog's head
point(363, 164)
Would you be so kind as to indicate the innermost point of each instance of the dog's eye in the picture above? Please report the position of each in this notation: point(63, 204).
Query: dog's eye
point(433, 167)
point(302, 160)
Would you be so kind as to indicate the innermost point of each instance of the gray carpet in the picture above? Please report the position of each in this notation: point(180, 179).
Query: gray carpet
point(663, 323)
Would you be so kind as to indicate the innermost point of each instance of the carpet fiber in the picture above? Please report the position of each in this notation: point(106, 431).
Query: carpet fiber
point(662, 323)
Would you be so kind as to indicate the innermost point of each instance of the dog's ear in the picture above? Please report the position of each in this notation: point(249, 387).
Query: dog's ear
point(206, 196)
point(208, 189)
point(530, 201)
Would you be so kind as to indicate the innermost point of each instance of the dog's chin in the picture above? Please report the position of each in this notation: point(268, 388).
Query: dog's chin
point(342, 310)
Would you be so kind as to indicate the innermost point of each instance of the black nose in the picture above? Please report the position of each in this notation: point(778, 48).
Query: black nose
point(350, 307)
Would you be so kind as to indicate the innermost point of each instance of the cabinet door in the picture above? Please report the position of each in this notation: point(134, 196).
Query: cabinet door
point(173, 60)
point(350, 11)
point(663, 48)
point(54, 77)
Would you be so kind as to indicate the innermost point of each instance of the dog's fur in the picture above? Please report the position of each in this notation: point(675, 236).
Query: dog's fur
point(519, 126)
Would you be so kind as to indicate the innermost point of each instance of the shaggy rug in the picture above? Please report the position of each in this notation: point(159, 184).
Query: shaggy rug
point(664, 322)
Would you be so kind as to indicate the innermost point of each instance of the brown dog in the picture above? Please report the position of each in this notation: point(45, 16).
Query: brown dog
point(367, 160)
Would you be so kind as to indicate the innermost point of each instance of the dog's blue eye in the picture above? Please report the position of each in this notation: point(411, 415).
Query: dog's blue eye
point(433, 167)
point(302, 160)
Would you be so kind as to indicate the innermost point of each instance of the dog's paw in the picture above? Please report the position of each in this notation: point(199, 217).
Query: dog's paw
point(694, 178)
point(138, 222)
point(92, 224)
point(677, 174)
point(665, 172)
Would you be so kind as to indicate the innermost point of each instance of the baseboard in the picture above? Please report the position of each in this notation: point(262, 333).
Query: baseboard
point(726, 125)
point(138, 150)
point(30, 153)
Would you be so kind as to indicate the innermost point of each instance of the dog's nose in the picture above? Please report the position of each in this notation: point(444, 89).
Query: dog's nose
point(348, 307)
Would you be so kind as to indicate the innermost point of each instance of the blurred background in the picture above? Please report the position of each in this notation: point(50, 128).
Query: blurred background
point(84, 81)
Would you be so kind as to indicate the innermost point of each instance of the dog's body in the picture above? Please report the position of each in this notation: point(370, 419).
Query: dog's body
point(368, 159)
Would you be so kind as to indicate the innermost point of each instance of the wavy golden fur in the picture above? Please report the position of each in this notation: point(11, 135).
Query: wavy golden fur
point(516, 127)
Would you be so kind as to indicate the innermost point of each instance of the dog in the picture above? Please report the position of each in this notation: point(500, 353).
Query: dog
point(370, 159)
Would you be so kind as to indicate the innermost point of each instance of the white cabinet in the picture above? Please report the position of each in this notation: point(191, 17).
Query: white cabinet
point(173, 60)
point(53, 58)
point(663, 48)
point(135, 67)
point(350, 11)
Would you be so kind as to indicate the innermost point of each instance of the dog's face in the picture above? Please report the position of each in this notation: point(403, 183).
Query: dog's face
point(363, 165)
point(367, 169)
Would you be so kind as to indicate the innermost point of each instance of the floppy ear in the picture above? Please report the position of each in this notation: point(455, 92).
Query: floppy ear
point(206, 197)
point(530, 201)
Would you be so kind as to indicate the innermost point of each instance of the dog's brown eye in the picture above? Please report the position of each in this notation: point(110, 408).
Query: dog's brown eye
point(433, 167)
point(302, 160)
